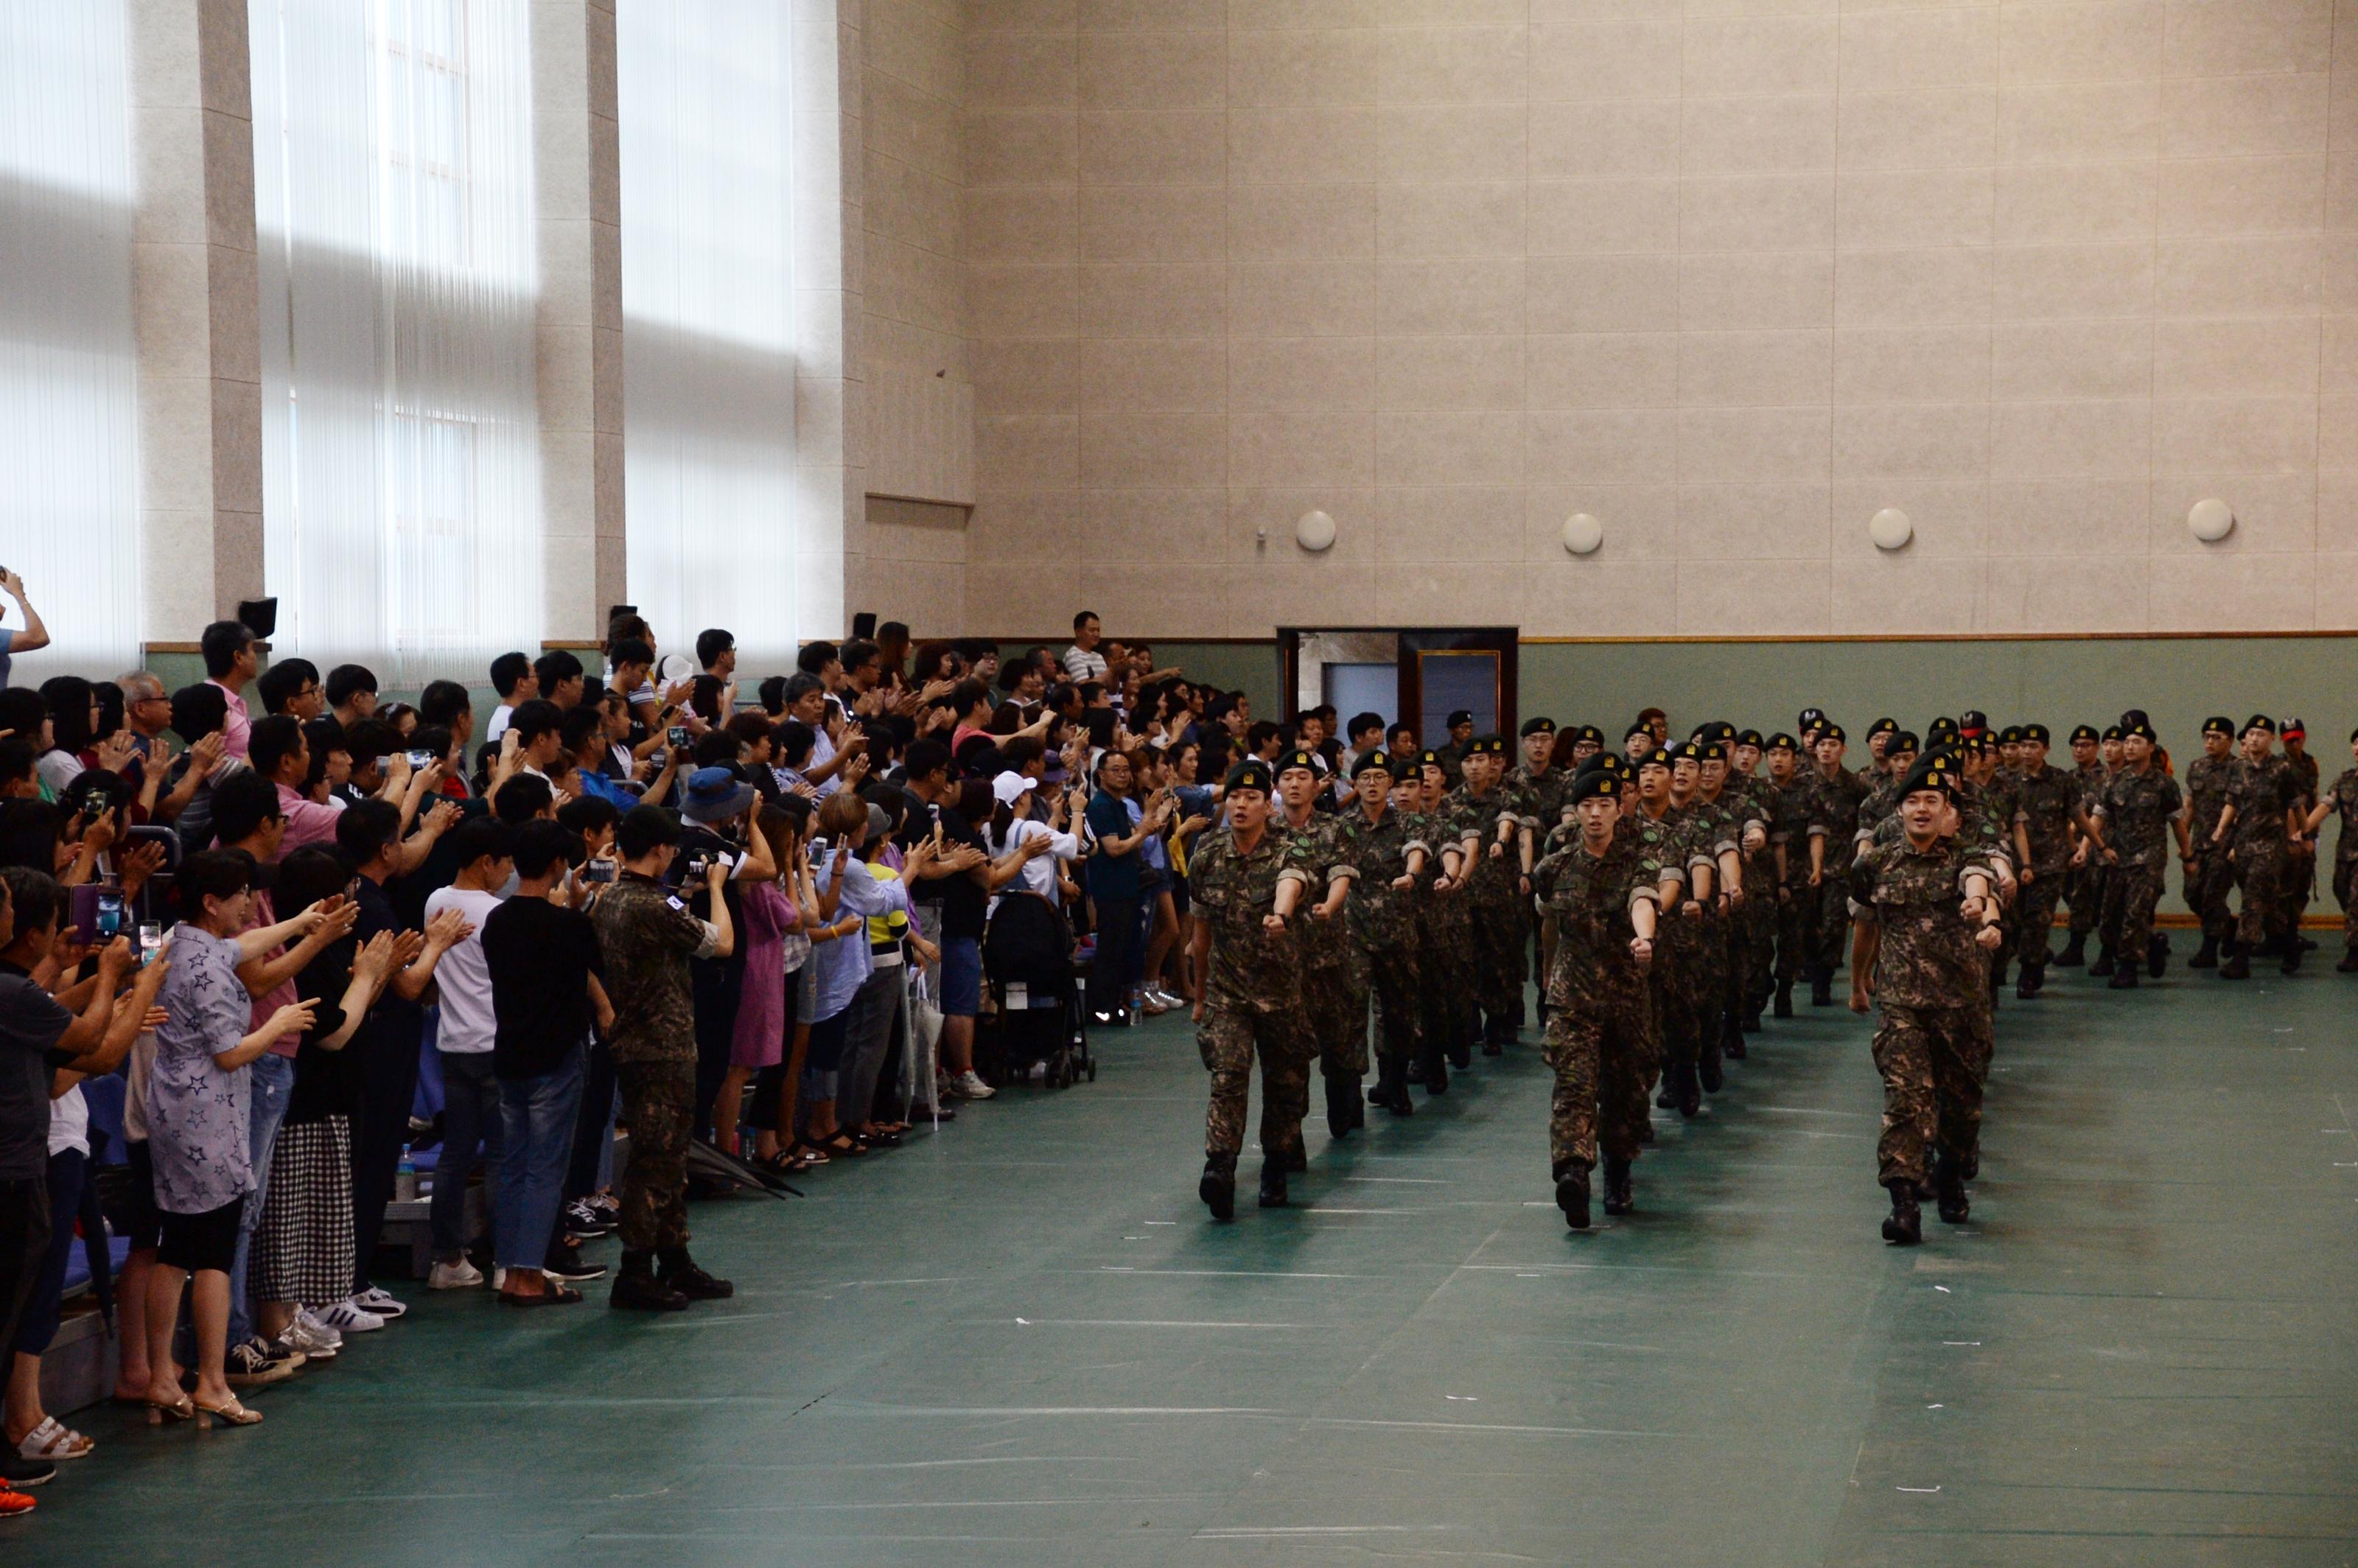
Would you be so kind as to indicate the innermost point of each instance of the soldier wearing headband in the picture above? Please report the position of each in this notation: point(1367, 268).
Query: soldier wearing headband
point(2262, 815)
point(1927, 920)
point(2211, 878)
point(2139, 806)
point(1388, 851)
point(1338, 1035)
point(1245, 883)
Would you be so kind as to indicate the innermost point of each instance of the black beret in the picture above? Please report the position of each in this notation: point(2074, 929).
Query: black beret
point(1459, 716)
point(1593, 784)
point(2010, 736)
point(1372, 761)
point(1883, 727)
point(2219, 724)
point(1932, 770)
point(2037, 732)
point(1658, 757)
point(1941, 729)
point(1833, 732)
point(1687, 751)
point(1638, 728)
point(2142, 731)
point(1539, 726)
point(1711, 751)
point(1589, 734)
point(2112, 732)
point(1901, 740)
point(1252, 773)
point(2084, 732)
point(1306, 761)
point(1780, 741)
point(2260, 722)
point(1428, 758)
point(1487, 746)
point(1749, 737)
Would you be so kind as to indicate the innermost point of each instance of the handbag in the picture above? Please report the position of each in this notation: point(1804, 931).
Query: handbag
point(925, 1038)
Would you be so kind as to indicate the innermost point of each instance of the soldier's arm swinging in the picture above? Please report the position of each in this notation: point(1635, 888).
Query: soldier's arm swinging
point(2226, 820)
point(1866, 942)
point(1731, 875)
point(1199, 957)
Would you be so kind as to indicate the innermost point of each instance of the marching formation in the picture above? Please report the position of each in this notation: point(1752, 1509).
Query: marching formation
point(1674, 895)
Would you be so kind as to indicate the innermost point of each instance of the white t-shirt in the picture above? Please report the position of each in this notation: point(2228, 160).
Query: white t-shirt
point(464, 976)
point(1084, 664)
point(69, 1122)
point(500, 716)
point(1039, 872)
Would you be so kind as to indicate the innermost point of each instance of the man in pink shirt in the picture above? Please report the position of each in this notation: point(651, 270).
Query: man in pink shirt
point(279, 753)
point(231, 661)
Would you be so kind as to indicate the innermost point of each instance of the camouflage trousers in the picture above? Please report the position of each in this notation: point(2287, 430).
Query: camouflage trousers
point(2259, 884)
point(2131, 894)
point(1676, 1033)
point(1933, 1061)
point(2207, 887)
point(1389, 976)
point(2086, 892)
point(659, 1104)
point(1759, 939)
point(1448, 998)
point(1705, 967)
point(2299, 886)
point(2345, 890)
point(1832, 915)
point(1793, 931)
point(2034, 915)
point(1602, 1055)
point(1336, 995)
point(1230, 1037)
point(1498, 955)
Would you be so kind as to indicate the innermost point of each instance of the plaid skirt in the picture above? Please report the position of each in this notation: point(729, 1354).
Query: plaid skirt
point(303, 1248)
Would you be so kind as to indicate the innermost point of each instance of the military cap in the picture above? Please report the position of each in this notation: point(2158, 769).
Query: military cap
point(1749, 737)
point(1780, 741)
point(2084, 732)
point(2219, 724)
point(2010, 736)
point(1971, 722)
point(1973, 745)
point(1832, 731)
point(1487, 746)
point(1306, 761)
point(2291, 728)
point(2259, 722)
point(2134, 716)
point(2142, 731)
point(1460, 717)
point(1589, 733)
point(1687, 751)
point(1429, 758)
point(1808, 717)
point(1941, 731)
point(1709, 751)
point(1883, 727)
point(1597, 784)
point(1542, 725)
point(1660, 757)
point(1372, 761)
point(2037, 732)
point(1933, 771)
point(2111, 732)
point(1718, 729)
point(1901, 740)
point(1250, 773)
point(1637, 727)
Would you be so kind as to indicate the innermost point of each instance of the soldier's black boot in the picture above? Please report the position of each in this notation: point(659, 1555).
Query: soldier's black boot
point(1731, 1037)
point(1904, 1226)
point(2125, 978)
point(1392, 1090)
point(1295, 1155)
point(1273, 1180)
point(1822, 986)
point(1782, 1006)
point(2156, 954)
point(1571, 1195)
point(2349, 965)
point(1461, 1047)
point(1618, 1198)
point(1667, 1097)
point(1497, 1031)
point(1707, 1067)
point(1435, 1077)
point(2027, 984)
point(1690, 1091)
point(2207, 956)
point(1997, 975)
point(636, 1287)
point(2105, 961)
point(2238, 966)
point(1218, 1188)
point(2075, 952)
point(1949, 1179)
point(1751, 1020)
point(675, 1268)
point(1342, 1107)
point(2291, 965)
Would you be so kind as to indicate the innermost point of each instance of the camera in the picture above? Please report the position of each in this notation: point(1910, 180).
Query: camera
point(420, 760)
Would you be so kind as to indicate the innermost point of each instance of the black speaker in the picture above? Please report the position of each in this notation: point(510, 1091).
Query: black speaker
point(259, 616)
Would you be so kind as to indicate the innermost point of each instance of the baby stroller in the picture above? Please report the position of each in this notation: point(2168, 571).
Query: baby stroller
point(1027, 958)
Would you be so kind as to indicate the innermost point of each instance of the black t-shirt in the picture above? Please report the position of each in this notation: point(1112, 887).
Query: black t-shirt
point(963, 904)
point(327, 1083)
point(540, 956)
point(31, 1023)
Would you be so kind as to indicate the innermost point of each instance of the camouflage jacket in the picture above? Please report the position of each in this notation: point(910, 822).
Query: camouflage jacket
point(1926, 956)
point(1382, 917)
point(2261, 793)
point(1789, 823)
point(2206, 791)
point(1328, 862)
point(1231, 891)
point(2343, 798)
point(646, 938)
point(1537, 798)
point(1494, 875)
point(1881, 804)
point(2090, 781)
point(2304, 772)
point(2137, 809)
point(1591, 897)
point(2002, 802)
point(1834, 814)
point(2048, 797)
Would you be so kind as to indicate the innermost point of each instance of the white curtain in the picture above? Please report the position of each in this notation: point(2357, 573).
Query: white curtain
point(69, 391)
point(708, 305)
point(401, 438)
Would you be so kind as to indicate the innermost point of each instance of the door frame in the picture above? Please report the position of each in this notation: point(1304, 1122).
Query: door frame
point(1503, 641)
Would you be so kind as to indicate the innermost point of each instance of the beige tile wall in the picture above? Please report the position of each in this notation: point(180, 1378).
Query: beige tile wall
point(1729, 273)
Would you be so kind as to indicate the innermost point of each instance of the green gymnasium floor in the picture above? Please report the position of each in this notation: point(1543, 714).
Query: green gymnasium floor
point(1023, 1343)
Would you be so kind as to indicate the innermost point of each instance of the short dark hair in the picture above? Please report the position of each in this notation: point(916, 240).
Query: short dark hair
point(443, 700)
point(67, 699)
point(585, 814)
point(816, 656)
point(522, 798)
point(372, 738)
point(555, 667)
point(16, 759)
point(272, 742)
point(795, 740)
point(924, 758)
point(243, 802)
point(35, 896)
point(630, 650)
point(507, 670)
point(1361, 723)
point(967, 693)
point(773, 693)
point(1084, 618)
point(366, 828)
point(348, 681)
point(532, 719)
point(713, 748)
point(857, 653)
point(802, 684)
point(710, 643)
point(212, 874)
point(478, 838)
point(199, 710)
point(1260, 733)
point(307, 875)
point(539, 845)
point(221, 642)
point(642, 828)
point(578, 725)
point(282, 680)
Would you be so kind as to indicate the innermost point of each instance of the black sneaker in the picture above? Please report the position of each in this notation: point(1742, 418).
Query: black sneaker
point(21, 1472)
point(257, 1362)
point(696, 1284)
point(567, 1264)
point(644, 1293)
point(583, 1220)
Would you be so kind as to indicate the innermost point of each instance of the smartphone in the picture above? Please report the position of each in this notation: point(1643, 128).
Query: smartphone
point(820, 849)
point(151, 942)
point(598, 870)
point(677, 736)
point(420, 760)
point(110, 914)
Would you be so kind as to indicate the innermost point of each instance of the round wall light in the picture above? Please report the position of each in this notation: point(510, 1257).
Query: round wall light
point(1314, 531)
point(1890, 529)
point(2211, 520)
point(1583, 534)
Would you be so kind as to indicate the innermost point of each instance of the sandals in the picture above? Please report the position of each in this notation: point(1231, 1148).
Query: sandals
point(158, 1411)
point(842, 1142)
point(810, 1154)
point(232, 1412)
point(556, 1295)
point(54, 1442)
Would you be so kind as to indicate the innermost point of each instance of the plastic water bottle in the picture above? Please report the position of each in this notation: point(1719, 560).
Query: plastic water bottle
point(404, 1180)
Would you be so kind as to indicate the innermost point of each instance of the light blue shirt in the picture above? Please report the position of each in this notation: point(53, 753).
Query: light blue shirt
point(840, 965)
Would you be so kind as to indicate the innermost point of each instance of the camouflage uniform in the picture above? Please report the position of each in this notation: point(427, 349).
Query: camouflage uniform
point(1600, 1038)
point(2137, 810)
point(1451, 1017)
point(1494, 932)
point(1382, 927)
point(2343, 798)
point(1834, 816)
point(1789, 825)
point(2213, 876)
point(2300, 865)
point(1933, 1041)
point(1338, 1035)
point(2047, 799)
point(1253, 990)
point(646, 938)
point(2086, 892)
point(1538, 803)
point(1673, 841)
point(1757, 922)
point(2261, 793)
point(1718, 828)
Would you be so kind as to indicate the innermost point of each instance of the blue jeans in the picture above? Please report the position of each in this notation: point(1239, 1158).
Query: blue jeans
point(537, 1128)
point(272, 1081)
point(471, 1126)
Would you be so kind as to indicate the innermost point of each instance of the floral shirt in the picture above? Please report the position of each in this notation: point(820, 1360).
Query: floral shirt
point(197, 1113)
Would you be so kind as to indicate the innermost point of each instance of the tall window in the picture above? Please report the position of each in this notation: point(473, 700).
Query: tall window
point(401, 436)
point(68, 390)
point(708, 305)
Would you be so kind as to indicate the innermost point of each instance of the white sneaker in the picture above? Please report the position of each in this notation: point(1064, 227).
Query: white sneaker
point(499, 1277)
point(460, 1276)
point(969, 1085)
point(320, 1327)
point(348, 1317)
point(319, 1343)
point(380, 1302)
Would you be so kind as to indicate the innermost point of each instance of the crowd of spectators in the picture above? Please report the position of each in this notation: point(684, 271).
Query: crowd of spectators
point(273, 945)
